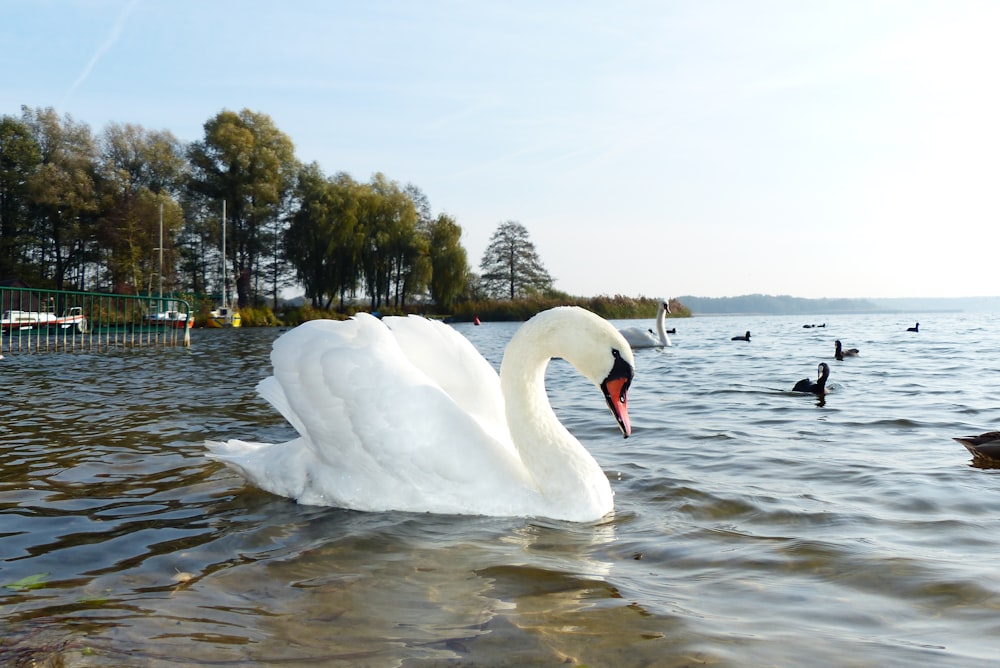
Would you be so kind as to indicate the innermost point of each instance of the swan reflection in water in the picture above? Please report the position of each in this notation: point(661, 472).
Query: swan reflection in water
point(405, 414)
point(463, 580)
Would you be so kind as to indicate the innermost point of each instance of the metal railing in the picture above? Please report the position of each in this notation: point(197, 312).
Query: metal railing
point(33, 320)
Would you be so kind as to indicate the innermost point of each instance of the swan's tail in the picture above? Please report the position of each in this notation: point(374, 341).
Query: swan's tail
point(279, 468)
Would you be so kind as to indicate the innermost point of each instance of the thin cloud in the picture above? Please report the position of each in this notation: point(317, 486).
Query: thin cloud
point(116, 31)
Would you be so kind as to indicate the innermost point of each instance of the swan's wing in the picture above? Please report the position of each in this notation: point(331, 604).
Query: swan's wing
point(376, 432)
point(453, 363)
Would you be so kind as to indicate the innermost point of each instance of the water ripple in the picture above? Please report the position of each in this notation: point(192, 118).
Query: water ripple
point(753, 525)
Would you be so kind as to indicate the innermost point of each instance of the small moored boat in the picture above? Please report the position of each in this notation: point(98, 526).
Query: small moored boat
point(224, 316)
point(16, 320)
point(168, 318)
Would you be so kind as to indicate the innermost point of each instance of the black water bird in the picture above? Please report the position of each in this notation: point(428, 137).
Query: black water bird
point(915, 328)
point(839, 352)
point(818, 387)
point(745, 337)
point(985, 448)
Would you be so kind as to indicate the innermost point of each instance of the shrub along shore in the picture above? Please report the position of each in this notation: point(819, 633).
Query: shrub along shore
point(617, 307)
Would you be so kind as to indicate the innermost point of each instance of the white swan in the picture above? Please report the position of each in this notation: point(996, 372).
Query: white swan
point(638, 337)
point(405, 414)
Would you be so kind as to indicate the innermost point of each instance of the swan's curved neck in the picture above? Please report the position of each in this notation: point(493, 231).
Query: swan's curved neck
point(661, 325)
point(559, 465)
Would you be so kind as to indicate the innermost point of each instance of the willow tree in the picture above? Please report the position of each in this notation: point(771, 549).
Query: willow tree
point(391, 248)
point(323, 240)
point(449, 263)
point(510, 266)
point(245, 160)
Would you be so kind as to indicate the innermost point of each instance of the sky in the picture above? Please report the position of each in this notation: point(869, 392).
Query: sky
point(702, 147)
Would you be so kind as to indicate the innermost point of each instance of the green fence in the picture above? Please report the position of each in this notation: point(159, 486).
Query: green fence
point(55, 320)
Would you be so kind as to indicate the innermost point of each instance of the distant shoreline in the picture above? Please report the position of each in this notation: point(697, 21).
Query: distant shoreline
point(696, 314)
point(787, 305)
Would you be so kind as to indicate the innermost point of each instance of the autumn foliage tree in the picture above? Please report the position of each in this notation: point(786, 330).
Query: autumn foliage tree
point(247, 161)
point(85, 211)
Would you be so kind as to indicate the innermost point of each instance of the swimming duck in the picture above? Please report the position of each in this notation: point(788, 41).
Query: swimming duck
point(818, 387)
point(839, 352)
point(984, 448)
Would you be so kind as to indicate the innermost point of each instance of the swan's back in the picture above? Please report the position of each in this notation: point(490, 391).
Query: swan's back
point(451, 361)
point(638, 337)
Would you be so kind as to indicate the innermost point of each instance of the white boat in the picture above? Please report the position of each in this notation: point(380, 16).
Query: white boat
point(170, 319)
point(27, 320)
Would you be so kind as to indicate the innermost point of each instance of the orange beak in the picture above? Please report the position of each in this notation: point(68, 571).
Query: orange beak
point(616, 394)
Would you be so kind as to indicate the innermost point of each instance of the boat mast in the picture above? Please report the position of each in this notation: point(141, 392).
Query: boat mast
point(161, 257)
point(225, 284)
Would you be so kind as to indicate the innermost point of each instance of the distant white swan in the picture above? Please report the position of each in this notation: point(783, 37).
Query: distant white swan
point(405, 414)
point(638, 337)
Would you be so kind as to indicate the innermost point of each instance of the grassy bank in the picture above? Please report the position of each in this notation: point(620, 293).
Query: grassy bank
point(508, 310)
point(607, 307)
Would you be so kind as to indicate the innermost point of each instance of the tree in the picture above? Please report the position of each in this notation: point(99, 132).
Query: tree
point(141, 175)
point(20, 156)
point(323, 240)
point(391, 248)
point(245, 160)
point(62, 195)
point(449, 263)
point(510, 266)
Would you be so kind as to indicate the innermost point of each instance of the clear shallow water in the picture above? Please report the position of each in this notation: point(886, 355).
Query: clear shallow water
point(752, 526)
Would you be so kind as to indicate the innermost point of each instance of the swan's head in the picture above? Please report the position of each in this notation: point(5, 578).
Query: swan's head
point(615, 388)
point(823, 371)
point(665, 305)
point(602, 354)
point(587, 341)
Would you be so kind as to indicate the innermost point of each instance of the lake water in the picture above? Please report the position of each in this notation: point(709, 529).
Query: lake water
point(752, 525)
